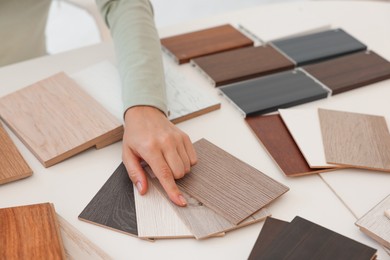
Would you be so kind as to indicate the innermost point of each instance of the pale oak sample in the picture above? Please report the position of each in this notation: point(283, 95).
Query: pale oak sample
point(12, 165)
point(356, 140)
point(56, 119)
point(376, 224)
point(30, 232)
point(227, 185)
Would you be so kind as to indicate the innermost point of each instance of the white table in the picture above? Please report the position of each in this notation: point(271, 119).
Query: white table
point(333, 200)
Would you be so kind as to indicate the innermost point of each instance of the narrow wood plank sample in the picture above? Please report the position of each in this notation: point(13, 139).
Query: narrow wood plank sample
point(375, 224)
point(350, 71)
point(277, 140)
point(230, 187)
point(30, 232)
point(190, 45)
point(78, 246)
point(113, 206)
point(302, 239)
point(319, 46)
point(355, 140)
point(12, 165)
point(56, 119)
point(269, 93)
point(241, 64)
point(201, 220)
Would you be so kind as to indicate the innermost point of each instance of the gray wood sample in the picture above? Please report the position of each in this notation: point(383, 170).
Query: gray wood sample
point(269, 93)
point(227, 185)
point(319, 46)
point(356, 140)
point(113, 206)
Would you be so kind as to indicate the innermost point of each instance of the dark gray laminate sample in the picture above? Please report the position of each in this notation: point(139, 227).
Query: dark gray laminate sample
point(269, 93)
point(319, 46)
point(113, 206)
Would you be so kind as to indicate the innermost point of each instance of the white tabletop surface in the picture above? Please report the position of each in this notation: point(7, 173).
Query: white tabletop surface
point(333, 200)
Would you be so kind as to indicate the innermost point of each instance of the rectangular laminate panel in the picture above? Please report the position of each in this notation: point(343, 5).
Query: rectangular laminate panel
point(376, 224)
point(241, 64)
point(12, 165)
point(277, 140)
point(184, 47)
point(113, 206)
point(30, 232)
point(56, 119)
point(230, 187)
point(356, 140)
point(302, 239)
point(319, 46)
point(350, 71)
point(269, 93)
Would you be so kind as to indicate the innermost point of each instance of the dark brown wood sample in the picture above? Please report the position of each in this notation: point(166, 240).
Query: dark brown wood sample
point(113, 206)
point(12, 165)
point(30, 232)
point(277, 140)
point(351, 71)
point(227, 185)
point(190, 45)
point(302, 239)
point(241, 64)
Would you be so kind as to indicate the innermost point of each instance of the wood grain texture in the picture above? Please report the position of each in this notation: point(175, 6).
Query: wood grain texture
point(113, 206)
point(351, 71)
point(30, 232)
point(272, 92)
point(277, 140)
point(56, 119)
point(356, 140)
point(241, 64)
point(78, 246)
point(302, 239)
point(375, 224)
point(230, 187)
point(319, 46)
point(12, 165)
point(184, 47)
point(201, 220)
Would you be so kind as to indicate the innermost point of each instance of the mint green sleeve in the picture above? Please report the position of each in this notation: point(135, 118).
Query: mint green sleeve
point(138, 51)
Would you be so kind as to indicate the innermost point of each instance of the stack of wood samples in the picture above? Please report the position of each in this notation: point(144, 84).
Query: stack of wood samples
point(302, 239)
point(190, 45)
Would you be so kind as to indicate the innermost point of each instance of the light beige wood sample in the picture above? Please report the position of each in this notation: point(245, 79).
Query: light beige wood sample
point(356, 140)
point(12, 165)
point(78, 246)
point(375, 224)
point(56, 119)
point(201, 220)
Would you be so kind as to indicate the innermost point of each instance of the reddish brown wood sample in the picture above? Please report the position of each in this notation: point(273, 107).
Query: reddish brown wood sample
point(30, 232)
point(12, 165)
point(184, 47)
point(241, 64)
point(351, 71)
point(277, 140)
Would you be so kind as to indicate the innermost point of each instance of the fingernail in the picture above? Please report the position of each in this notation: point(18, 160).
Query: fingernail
point(139, 186)
point(183, 201)
point(387, 213)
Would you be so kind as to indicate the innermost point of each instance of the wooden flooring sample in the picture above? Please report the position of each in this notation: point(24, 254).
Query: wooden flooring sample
point(269, 93)
point(30, 232)
point(350, 71)
point(241, 64)
point(195, 44)
point(56, 119)
point(277, 140)
point(375, 224)
point(319, 46)
point(113, 206)
point(302, 239)
point(355, 140)
point(230, 187)
point(12, 165)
